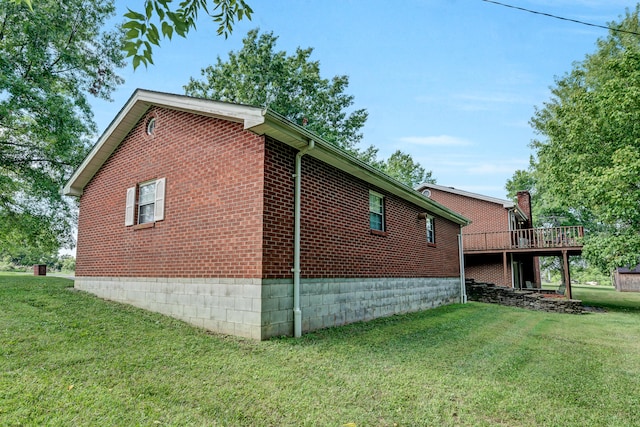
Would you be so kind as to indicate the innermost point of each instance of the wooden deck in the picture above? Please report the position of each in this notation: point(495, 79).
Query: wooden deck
point(528, 239)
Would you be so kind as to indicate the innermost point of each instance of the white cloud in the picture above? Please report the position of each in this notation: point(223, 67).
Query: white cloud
point(488, 102)
point(478, 101)
point(487, 168)
point(491, 99)
point(442, 140)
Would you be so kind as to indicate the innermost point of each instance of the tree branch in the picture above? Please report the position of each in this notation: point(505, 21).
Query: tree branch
point(35, 160)
point(15, 144)
point(4, 25)
point(74, 30)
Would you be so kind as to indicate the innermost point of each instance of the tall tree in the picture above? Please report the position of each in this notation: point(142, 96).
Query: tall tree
point(52, 57)
point(402, 167)
point(588, 159)
point(290, 84)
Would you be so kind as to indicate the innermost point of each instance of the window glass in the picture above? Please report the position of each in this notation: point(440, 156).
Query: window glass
point(376, 211)
point(145, 214)
point(147, 193)
point(146, 203)
point(431, 232)
point(151, 126)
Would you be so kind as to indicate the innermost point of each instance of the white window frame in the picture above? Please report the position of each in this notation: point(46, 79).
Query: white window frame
point(431, 229)
point(380, 212)
point(142, 204)
point(132, 215)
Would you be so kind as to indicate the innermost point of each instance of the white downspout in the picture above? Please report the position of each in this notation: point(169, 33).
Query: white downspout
point(297, 312)
point(463, 288)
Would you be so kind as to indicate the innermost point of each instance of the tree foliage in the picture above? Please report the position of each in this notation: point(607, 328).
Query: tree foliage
point(546, 210)
point(291, 85)
point(51, 58)
point(402, 167)
point(288, 84)
point(160, 19)
point(522, 180)
point(587, 162)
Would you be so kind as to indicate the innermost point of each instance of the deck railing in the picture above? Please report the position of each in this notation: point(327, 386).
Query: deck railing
point(527, 238)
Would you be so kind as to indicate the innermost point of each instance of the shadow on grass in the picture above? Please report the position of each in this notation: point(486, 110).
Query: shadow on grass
point(608, 298)
point(440, 332)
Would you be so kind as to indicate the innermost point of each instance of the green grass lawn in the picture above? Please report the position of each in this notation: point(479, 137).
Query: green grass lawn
point(67, 358)
point(607, 297)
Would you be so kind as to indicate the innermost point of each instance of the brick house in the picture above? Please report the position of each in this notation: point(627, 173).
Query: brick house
point(500, 245)
point(234, 219)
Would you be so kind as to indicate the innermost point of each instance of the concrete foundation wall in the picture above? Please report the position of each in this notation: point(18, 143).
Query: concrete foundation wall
point(261, 309)
point(228, 306)
point(327, 303)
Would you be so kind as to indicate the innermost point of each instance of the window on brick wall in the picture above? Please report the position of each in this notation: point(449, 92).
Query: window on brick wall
point(431, 230)
point(148, 197)
point(376, 211)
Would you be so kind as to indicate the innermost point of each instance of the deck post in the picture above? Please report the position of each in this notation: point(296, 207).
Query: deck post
point(504, 265)
point(567, 274)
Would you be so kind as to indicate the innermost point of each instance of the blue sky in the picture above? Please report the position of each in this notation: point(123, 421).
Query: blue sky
point(452, 82)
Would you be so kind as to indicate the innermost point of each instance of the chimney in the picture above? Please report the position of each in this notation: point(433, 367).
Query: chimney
point(524, 203)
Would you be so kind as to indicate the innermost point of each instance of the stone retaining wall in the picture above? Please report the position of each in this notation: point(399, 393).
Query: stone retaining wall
point(490, 293)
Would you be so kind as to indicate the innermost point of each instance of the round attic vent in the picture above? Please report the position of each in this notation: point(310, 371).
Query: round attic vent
point(151, 126)
point(426, 192)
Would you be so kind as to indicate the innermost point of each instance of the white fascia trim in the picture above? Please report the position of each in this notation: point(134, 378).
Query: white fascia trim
point(258, 120)
point(134, 109)
point(520, 212)
point(248, 115)
point(296, 136)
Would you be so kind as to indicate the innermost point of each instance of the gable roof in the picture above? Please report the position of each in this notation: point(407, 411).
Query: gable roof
point(261, 121)
point(507, 204)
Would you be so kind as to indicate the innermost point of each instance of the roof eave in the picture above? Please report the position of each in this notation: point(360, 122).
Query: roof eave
point(258, 120)
point(134, 109)
point(505, 203)
point(283, 130)
point(520, 212)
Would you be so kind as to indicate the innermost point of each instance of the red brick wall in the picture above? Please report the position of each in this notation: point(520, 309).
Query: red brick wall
point(488, 269)
point(221, 221)
point(486, 216)
point(524, 203)
point(213, 205)
point(336, 237)
point(278, 210)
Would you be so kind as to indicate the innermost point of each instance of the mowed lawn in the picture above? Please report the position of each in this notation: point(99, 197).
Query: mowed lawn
point(70, 359)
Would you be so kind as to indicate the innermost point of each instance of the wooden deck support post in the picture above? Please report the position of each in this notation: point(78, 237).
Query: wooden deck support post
point(504, 265)
point(567, 274)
